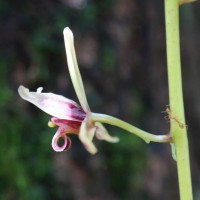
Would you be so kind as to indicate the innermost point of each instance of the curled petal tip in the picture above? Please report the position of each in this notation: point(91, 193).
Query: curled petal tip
point(64, 147)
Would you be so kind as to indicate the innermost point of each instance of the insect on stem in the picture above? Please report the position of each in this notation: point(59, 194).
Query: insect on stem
point(170, 117)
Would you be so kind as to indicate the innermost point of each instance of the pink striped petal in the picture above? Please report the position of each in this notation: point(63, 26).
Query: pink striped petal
point(55, 105)
point(68, 126)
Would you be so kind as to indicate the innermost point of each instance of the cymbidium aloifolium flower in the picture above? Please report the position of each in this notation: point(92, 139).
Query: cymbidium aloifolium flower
point(67, 114)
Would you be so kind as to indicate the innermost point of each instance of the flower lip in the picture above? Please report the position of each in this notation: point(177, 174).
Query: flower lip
point(66, 145)
point(64, 127)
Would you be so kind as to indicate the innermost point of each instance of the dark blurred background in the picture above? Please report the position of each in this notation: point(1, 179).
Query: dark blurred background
point(121, 52)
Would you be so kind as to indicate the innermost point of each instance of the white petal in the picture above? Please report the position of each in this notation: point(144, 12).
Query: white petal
point(86, 135)
point(73, 69)
point(102, 134)
point(55, 105)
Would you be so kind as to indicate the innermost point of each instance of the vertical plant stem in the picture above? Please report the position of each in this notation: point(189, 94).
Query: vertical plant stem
point(178, 128)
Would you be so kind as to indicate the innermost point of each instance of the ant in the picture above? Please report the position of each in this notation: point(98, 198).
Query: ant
point(171, 117)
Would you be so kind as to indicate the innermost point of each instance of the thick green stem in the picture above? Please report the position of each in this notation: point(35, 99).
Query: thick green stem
point(147, 137)
point(178, 129)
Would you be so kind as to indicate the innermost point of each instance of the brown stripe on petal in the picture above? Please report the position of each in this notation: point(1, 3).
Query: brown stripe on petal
point(71, 105)
point(77, 113)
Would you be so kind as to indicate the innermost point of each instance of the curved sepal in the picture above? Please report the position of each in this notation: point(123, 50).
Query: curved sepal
point(73, 68)
point(102, 133)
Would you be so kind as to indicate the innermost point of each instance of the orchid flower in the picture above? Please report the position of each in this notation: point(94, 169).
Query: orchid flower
point(67, 114)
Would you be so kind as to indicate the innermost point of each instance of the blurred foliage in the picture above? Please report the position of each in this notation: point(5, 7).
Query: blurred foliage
point(33, 54)
point(124, 72)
